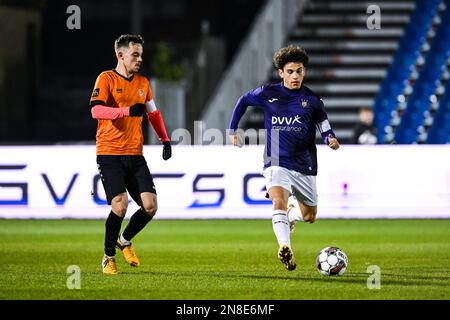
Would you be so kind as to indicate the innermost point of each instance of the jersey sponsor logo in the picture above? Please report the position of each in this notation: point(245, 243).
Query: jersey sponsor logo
point(273, 100)
point(141, 93)
point(95, 93)
point(304, 103)
point(119, 90)
point(286, 120)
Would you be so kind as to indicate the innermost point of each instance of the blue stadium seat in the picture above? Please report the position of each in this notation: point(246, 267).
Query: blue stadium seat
point(439, 131)
point(427, 83)
point(405, 58)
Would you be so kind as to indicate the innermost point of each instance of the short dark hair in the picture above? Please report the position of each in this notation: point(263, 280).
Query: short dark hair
point(289, 54)
point(125, 39)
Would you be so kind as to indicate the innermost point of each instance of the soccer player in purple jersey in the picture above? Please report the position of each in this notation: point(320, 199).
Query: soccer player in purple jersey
point(291, 112)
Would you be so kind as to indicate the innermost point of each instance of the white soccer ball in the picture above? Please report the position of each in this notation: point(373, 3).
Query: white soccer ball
point(332, 261)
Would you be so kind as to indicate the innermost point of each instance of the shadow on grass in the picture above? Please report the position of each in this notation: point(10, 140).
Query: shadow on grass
point(362, 279)
point(354, 278)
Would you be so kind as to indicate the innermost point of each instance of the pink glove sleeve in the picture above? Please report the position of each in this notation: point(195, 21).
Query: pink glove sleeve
point(109, 113)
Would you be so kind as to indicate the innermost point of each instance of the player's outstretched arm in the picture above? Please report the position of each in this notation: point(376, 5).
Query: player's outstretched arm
point(238, 111)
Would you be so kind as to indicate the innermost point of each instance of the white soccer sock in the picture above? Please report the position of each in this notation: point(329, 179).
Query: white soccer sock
point(124, 241)
point(281, 227)
point(295, 215)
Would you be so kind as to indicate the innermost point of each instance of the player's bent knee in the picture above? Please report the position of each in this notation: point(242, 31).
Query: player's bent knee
point(150, 210)
point(279, 203)
point(119, 210)
point(119, 205)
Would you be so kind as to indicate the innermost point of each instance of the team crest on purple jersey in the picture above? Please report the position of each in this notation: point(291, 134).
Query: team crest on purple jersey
point(304, 103)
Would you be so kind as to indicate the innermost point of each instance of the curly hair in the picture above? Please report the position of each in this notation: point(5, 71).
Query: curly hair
point(289, 54)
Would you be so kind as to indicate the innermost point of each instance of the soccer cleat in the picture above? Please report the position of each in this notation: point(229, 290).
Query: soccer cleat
point(286, 256)
point(109, 265)
point(128, 253)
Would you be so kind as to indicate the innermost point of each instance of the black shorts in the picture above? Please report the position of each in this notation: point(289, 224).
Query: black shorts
point(120, 174)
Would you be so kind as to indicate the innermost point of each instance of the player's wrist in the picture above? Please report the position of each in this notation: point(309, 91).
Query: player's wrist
point(137, 110)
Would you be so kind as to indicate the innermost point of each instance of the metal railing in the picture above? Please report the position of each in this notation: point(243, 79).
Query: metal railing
point(170, 98)
point(252, 64)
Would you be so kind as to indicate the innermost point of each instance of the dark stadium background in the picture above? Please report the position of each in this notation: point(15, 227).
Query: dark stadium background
point(400, 71)
point(50, 70)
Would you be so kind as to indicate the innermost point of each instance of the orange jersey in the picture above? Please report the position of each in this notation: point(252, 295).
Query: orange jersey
point(121, 136)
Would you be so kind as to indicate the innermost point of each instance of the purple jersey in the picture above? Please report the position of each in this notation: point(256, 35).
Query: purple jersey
point(290, 120)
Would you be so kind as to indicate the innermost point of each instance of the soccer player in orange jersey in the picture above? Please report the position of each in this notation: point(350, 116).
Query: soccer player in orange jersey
point(120, 99)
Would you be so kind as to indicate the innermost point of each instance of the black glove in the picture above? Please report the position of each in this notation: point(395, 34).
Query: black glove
point(167, 150)
point(137, 110)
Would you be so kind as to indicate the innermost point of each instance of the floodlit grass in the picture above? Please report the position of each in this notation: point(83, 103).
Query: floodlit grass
point(226, 259)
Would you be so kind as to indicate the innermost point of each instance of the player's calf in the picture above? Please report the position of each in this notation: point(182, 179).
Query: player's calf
point(311, 218)
point(310, 215)
point(298, 211)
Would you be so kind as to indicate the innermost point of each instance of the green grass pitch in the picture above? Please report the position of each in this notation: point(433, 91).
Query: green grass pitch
point(226, 259)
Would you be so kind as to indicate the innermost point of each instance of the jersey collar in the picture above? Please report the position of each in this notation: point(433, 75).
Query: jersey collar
point(128, 79)
point(292, 91)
